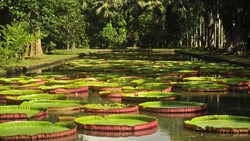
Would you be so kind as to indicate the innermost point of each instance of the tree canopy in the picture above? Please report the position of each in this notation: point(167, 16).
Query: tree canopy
point(222, 25)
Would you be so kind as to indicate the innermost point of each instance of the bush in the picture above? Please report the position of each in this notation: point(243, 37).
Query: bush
point(15, 40)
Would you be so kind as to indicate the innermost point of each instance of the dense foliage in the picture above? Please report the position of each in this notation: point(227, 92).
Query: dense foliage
point(68, 24)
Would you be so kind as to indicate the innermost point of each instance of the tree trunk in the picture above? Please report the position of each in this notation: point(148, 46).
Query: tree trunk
point(211, 31)
point(72, 45)
point(35, 48)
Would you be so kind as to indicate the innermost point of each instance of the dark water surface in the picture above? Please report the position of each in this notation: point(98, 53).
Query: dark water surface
point(236, 102)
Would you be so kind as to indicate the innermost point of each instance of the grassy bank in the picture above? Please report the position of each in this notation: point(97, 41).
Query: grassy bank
point(56, 55)
point(241, 60)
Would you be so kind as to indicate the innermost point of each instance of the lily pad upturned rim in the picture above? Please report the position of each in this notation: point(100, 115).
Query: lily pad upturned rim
point(20, 92)
point(118, 134)
point(39, 96)
point(56, 106)
point(221, 126)
point(20, 112)
point(58, 130)
point(110, 108)
point(134, 122)
point(172, 106)
point(151, 96)
point(213, 87)
point(115, 94)
point(19, 99)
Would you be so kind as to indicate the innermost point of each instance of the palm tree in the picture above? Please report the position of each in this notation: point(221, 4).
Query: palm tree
point(108, 9)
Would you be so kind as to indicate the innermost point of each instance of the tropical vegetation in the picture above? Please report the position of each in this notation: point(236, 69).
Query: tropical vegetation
point(33, 27)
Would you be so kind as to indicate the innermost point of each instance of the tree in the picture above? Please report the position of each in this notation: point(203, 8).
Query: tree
point(63, 23)
point(26, 10)
point(15, 39)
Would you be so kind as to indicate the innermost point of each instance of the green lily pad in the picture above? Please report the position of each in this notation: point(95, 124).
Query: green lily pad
point(22, 130)
point(117, 122)
point(60, 104)
point(172, 106)
point(220, 123)
point(20, 92)
point(151, 96)
point(18, 110)
point(39, 97)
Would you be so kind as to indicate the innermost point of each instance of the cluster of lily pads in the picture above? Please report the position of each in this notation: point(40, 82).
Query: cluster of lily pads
point(147, 85)
point(148, 81)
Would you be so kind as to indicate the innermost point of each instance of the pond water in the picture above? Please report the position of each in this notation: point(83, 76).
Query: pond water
point(171, 127)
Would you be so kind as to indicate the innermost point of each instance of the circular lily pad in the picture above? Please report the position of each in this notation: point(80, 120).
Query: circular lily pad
point(205, 87)
point(20, 112)
point(20, 92)
point(32, 86)
point(198, 78)
point(14, 93)
point(172, 106)
point(56, 106)
point(115, 94)
point(110, 108)
point(35, 130)
point(220, 124)
point(118, 134)
point(22, 98)
point(117, 122)
point(151, 96)
point(233, 81)
point(104, 86)
point(154, 87)
point(6, 87)
point(67, 89)
point(20, 80)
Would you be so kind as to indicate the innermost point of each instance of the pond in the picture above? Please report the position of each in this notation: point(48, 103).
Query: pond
point(171, 126)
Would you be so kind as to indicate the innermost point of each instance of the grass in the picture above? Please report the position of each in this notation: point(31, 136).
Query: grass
point(46, 58)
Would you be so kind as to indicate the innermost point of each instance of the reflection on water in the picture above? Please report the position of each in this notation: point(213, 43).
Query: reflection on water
point(171, 128)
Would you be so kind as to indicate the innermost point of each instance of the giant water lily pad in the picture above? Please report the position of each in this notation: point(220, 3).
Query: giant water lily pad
point(154, 87)
point(117, 122)
point(20, 99)
point(20, 92)
point(122, 79)
point(6, 87)
point(233, 81)
point(116, 94)
point(172, 106)
point(20, 80)
point(151, 96)
point(35, 130)
point(205, 87)
point(20, 112)
point(103, 86)
point(56, 106)
point(220, 123)
point(198, 78)
point(118, 134)
point(5, 93)
point(110, 108)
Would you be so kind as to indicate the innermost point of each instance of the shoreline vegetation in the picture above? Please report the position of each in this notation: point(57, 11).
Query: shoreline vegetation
point(58, 56)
